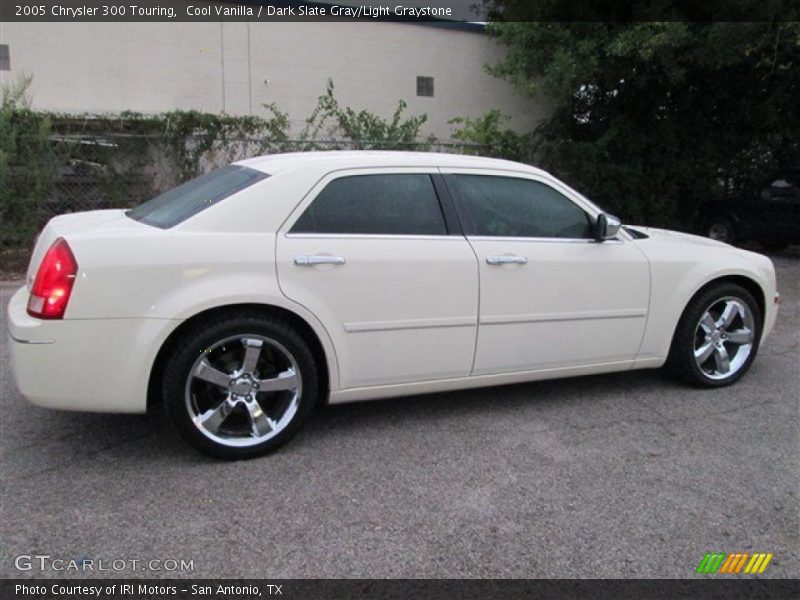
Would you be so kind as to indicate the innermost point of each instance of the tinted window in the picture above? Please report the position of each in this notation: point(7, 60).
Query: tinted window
point(375, 204)
point(510, 207)
point(180, 203)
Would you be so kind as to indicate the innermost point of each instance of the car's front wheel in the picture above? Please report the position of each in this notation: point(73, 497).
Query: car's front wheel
point(717, 337)
point(239, 385)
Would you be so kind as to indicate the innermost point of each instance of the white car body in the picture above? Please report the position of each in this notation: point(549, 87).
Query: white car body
point(404, 315)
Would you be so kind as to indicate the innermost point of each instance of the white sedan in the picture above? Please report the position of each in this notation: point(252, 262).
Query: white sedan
point(245, 297)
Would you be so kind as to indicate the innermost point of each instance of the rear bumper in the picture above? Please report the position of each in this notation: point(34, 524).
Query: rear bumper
point(96, 365)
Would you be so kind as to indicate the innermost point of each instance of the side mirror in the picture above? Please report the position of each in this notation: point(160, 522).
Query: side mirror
point(606, 227)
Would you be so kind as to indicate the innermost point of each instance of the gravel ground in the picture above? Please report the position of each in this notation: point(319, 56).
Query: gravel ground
point(627, 475)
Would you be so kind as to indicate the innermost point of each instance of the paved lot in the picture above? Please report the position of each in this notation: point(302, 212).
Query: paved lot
point(630, 475)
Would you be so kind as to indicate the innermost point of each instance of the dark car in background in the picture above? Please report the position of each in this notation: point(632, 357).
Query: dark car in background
point(768, 214)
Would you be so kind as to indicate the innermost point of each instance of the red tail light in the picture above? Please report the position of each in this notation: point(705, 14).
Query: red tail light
point(53, 284)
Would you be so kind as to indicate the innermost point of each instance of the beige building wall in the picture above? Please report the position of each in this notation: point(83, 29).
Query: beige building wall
point(237, 67)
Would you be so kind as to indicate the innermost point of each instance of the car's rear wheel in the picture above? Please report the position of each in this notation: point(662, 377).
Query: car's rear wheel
point(240, 385)
point(717, 337)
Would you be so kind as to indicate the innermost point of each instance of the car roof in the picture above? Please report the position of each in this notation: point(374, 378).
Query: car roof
point(349, 159)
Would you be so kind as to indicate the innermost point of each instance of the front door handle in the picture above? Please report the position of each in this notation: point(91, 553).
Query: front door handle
point(318, 259)
point(506, 260)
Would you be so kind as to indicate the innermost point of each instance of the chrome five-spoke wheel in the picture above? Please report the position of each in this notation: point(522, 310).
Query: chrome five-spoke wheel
point(243, 390)
point(717, 336)
point(724, 338)
point(240, 383)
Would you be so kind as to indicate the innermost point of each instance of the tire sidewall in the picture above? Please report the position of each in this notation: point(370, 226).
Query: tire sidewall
point(682, 354)
point(195, 341)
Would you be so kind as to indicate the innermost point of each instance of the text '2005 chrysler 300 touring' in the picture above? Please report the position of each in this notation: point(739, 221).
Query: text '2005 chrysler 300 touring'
point(240, 299)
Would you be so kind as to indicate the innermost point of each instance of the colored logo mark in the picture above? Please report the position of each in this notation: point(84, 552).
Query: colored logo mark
point(734, 562)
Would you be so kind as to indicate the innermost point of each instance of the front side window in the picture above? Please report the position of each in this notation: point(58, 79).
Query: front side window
point(511, 207)
point(389, 204)
point(188, 199)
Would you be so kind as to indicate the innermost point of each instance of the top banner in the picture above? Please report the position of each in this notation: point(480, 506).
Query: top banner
point(209, 10)
point(472, 13)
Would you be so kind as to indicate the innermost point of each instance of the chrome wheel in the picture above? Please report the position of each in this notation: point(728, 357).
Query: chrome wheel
point(243, 390)
point(724, 338)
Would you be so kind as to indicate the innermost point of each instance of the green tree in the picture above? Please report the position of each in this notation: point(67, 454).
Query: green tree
point(490, 138)
point(652, 118)
point(25, 165)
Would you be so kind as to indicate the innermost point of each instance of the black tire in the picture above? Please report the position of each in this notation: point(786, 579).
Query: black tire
point(681, 359)
point(721, 229)
point(198, 341)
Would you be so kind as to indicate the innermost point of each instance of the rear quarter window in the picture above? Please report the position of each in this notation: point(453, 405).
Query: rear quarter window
point(178, 204)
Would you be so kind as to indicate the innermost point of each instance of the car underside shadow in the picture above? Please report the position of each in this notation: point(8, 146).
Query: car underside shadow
point(489, 402)
point(54, 439)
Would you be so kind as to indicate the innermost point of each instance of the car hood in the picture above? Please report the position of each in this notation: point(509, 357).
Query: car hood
point(677, 236)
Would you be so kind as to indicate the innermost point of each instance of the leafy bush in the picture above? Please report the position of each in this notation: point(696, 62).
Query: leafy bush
point(361, 130)
point(490, 139)
point(26, 164)
point(54, 163)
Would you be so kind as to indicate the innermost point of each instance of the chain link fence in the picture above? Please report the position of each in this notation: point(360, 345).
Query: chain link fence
point(74, 173)
point(97, 173)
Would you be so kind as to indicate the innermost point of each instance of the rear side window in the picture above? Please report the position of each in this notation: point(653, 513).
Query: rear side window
point(512, 207)
point(389, 204)
point(188, 199)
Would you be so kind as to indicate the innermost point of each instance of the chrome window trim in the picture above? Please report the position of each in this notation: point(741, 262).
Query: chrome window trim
point(372, 236)
point(547, 240)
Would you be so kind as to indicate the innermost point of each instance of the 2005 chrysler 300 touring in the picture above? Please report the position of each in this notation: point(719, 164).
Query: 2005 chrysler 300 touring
point(242, 298)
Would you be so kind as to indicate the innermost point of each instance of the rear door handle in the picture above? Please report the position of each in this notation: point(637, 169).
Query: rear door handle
point(506, 260)
point(318, 259)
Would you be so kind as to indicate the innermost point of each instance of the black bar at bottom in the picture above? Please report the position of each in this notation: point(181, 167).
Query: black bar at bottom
point(347, 589)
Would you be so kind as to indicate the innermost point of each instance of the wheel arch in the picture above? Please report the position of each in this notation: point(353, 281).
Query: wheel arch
point(682, 360)
point(325, 362)
point(748, 283)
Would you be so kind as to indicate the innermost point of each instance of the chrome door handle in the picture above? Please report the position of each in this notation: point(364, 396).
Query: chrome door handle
point(506, 260)
point(318, 259)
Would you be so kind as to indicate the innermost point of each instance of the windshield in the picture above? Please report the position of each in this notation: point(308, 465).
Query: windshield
point(188, 199)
